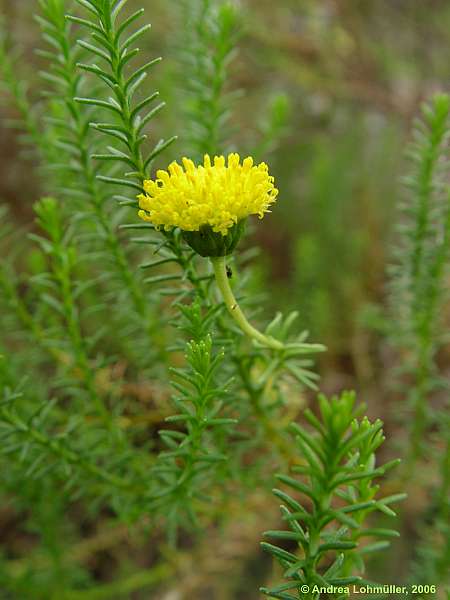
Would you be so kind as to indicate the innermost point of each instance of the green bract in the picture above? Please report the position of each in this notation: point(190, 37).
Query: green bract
point(209, 243)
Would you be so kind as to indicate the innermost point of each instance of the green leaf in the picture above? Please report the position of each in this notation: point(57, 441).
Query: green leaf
point(296, 485)
point(282, 555)
point(337, 545)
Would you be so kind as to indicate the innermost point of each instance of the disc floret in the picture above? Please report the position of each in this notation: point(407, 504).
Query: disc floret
point(213, 199)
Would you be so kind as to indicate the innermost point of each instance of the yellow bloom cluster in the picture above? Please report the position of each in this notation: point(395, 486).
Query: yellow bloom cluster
point(219, 194)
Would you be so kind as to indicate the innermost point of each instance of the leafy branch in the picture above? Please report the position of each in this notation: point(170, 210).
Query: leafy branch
point(114, 47)
point(338, 494)
point(205, 51)
point(61, 293)
point(184, 473)
point(72, 127)
point(24, 434)
point(421, 262)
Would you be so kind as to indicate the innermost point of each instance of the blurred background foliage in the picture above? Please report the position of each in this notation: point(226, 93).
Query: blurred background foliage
point(330, 90)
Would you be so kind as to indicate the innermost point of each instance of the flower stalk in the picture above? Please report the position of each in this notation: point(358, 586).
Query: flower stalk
point(223, 283)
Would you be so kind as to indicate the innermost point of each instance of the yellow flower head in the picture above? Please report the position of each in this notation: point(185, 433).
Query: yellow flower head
point(216, 195)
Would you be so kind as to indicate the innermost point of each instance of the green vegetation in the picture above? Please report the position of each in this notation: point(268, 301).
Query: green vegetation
point(149, 396)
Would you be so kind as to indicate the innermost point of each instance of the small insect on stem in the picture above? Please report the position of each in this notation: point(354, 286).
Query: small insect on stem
point(229, 272)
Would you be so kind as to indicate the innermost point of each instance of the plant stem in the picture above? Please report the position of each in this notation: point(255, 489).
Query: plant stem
point(220, 272)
